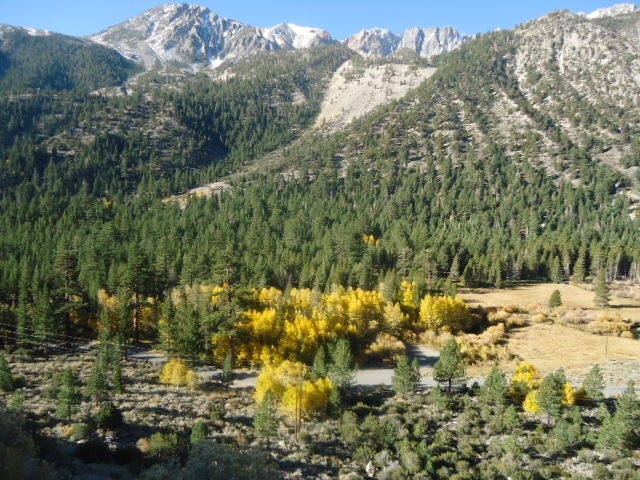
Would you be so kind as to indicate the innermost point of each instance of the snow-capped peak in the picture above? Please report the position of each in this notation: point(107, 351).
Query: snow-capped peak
point(194, 37)
point(301, 37)
point(613, 11)
point(426, 42)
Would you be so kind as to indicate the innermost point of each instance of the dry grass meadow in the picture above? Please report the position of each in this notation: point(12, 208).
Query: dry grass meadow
point(551, 338)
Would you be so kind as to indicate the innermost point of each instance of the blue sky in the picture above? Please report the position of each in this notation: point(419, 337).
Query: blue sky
point(340, 18)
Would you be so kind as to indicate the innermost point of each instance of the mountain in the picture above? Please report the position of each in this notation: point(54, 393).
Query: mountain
point(193, 36)
point(614, 11)
point(515, 156)
point(41, 59)
point(426, 42)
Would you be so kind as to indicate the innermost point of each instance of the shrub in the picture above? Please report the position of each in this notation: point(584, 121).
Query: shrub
point(109, 417)
point(199, 432)
point(93, 451)
point(163, 445)
point(210, 460)
point(6, 377)
point(609, 325)
point(79, 431)
point(524, 380)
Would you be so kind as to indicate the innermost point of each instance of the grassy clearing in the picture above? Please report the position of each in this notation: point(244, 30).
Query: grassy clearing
point(553, 338)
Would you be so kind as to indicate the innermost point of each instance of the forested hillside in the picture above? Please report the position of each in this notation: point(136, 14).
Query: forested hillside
point(470, 179)
point(55, 62)
point(517, 160)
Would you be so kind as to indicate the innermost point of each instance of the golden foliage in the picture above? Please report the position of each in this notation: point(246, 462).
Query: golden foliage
point(386, 346)
point(293, 326)
point(309, 398)
point(444, 313)
point(370, 240)
point(485, 347)
point(609, 325)
point(394, 319)
point(524, 381)
point(270, 297)
point(568, 394)
point(175, 372)
point(408, 294)
point(531, 403)
point(289, 382)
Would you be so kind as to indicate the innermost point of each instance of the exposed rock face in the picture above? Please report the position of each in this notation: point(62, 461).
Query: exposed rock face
point(196, 37)
point(426, 42)
point(374, 42)
point(614, 11)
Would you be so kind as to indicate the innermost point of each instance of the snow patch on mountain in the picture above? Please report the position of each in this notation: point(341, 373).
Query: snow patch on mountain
point(196, 37)
point(426, 42)
point(295, 36)
point(614, 11)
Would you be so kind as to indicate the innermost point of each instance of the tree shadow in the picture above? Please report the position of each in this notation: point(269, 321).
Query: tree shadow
point(414, 351)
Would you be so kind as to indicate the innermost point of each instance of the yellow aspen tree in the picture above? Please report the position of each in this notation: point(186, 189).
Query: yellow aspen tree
point(270, 297)
point(531, 403)
point(568, 394)
point(301, 299)
point(408, 294)
point(192, 379)
point(444, 313)
point(175, 372)
point(524, 380)
point(277, 377)
point(308, 398)
point(394, 319)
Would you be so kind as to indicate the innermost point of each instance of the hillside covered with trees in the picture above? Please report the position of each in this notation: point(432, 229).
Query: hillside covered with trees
point(510, 163)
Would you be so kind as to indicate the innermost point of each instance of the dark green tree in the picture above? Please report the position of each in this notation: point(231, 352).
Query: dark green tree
point(320, 368)
point(621, 431)
point(601, 289)
point(555, 300)
point(450, 366)
point(342, 368)
point(227, 373)
point(406, 376)
point(109, 417)
point(199, 432)
point(494, 390)
point(6, 377)
point(594, 384)
point(265, 420)
point(68, 395)
point(551, 393)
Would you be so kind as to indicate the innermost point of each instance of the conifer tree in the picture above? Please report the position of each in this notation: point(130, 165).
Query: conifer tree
point(227, 373)
point(594, 383)
point(6, 377)
point(555, 300)
point(266, 418)
point(68, 397)
point(621, 430)
point(98, 385)
point(494, 391)
point(601, 290)
point(551, 393)
point(320, 368)
point(406, 376)
point(450, 366)
point(342, 367)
